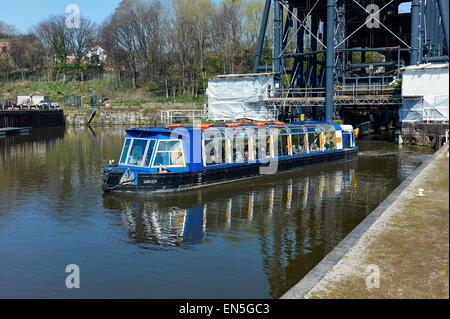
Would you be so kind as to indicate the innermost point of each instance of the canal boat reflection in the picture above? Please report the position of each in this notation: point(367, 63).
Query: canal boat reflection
point(151, 219)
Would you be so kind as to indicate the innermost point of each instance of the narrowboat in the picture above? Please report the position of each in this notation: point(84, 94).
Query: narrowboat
point(179, 157)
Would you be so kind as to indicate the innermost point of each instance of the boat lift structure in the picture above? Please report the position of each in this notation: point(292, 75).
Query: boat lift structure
point(332, 55)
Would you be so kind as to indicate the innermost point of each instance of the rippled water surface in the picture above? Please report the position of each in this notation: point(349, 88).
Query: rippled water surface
point(249, 239)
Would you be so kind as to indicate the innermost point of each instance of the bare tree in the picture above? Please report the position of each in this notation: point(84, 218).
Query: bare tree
point(227, 33)
point(202, 18)
point(55, 36)
point(81, 39)
point(252, 16)
point(108, 38)
point(6, 63)
point(173, 46)
point(7, 30)
point(27, 53)
point(136, 28)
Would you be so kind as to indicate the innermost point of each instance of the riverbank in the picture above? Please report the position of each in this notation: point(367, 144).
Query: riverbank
point(122, 95)
point(406, 238)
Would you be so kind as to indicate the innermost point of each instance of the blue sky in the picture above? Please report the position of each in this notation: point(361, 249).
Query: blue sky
point(23, 14)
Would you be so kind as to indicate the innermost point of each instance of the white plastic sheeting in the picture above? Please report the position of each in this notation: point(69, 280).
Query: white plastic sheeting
point(234, 97)
point(425, 93)
point(417, 110)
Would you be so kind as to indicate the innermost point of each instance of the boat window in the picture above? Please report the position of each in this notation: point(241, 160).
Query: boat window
point(126, 147)
point(329, 140)
point(346, 139)
point(262, 144)
point(239, 145)
point(281, 139)
point(214, 145)
point(314, 139)
point(137, 152)
point(299, 145)
point(169, 154)
point(148, 157)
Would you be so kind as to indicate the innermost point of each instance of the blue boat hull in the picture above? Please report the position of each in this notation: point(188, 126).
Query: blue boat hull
point(180, 181)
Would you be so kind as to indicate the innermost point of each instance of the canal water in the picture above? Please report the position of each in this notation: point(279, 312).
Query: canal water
point(249, 239)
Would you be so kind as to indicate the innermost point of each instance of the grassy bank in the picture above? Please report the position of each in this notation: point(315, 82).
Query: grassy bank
point(122, 95)
point(409, 244)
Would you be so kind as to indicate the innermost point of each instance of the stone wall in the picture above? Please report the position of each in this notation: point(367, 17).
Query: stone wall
point(112, 117)
point(424, 134)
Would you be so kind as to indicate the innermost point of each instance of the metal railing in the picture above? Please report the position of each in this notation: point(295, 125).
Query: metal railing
point(180, 116)
point(16, 107)
point(297, 92)
point(377, 85)
point(371, 85)
point(366, 89)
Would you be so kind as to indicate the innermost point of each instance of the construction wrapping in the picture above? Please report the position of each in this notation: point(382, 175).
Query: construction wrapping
point(239, 96)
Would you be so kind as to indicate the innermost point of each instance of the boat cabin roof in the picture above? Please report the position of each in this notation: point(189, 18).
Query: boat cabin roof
point(186, 130)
